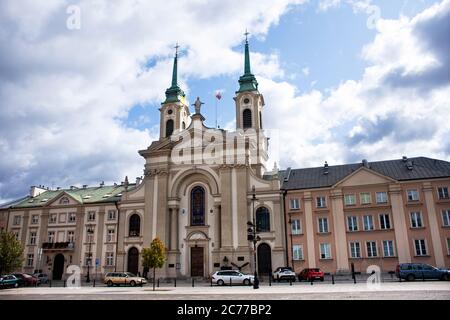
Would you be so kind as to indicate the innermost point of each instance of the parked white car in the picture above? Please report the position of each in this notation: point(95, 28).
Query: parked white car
point(225, 276)
point(283, 273)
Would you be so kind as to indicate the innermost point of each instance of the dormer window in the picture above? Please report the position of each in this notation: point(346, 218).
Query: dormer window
point(64, 200)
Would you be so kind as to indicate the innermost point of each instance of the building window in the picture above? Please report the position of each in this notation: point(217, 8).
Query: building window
point(30, 260)
point(64, 200)
point(371, 249)
point(91, 216)
point(34, 219)
point(325, 251)
point(352, 222)
point(446, 218)
point(262, 219)
point(382, 197)
point(448, 246)
point(16, 221)
point(368, 223)
point(295, 204)
point(33, 237)
point(297, 252)
point(349, 199)
point(16, 234)
point(321, 202)
point(416, 220)
point(365, 198)
point(109, 259)
point(323, 225)
point(72, 217)
point(88, 259)
point(296, 227)
point(111, 214)
point(110, 236)
point(198, 206)
point(421, 248)
point(247, 117)
point(71, 236)
point(134, 226)
point(388, 248)
point(355, 250)
point(51, 236)
point(90, 234)
point(413, 195)
point(385, 222)
point(443, 193)
point(169, 127)
point(52, 218)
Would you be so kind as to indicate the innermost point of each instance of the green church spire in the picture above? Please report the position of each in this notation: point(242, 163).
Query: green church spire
point(247, 82)
point(174, 93)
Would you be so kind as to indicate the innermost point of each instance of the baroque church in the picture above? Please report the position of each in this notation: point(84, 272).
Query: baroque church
point(203, 186)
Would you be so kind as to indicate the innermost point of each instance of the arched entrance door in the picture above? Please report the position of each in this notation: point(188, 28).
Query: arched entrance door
point(58, 267)
point(133, 260)
point(264, 259)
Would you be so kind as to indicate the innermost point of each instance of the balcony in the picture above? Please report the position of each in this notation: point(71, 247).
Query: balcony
point(58, 246)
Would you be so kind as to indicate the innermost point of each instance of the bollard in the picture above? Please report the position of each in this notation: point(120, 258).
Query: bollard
point(64, 283)
point(211, 281)
point(175, 282)
point(270, 281)
point(312, 280)
point(50, 283)
point(332, 279)
point(354, 280)
point(423, 276)
point(290, 281)
point(157, 283)
point(192, 282)
point(230, 283)
point(94, 283)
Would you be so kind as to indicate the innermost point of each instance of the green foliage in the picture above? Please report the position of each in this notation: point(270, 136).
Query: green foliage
point(155, 256)
point(11, 252)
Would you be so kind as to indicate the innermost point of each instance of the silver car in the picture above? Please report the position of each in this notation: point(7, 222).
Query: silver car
point(231, 277)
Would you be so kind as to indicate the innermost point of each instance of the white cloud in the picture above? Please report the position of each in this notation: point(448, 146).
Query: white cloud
point(379, 116)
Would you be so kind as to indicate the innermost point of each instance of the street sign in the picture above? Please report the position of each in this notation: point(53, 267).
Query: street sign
point(97, 261)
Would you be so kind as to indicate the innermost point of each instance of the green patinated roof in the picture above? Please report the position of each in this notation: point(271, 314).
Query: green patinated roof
point(174, 93)
point(103, 194)
point(247, 82)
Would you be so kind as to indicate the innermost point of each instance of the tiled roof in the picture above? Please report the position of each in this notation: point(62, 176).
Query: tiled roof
point(309, 178)
point(102, 194)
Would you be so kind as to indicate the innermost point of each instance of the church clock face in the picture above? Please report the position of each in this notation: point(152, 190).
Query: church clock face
point(246, 100)
point(169, 111)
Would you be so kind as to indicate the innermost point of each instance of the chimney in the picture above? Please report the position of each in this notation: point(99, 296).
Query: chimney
point(35, 191)
point(405, 159)
point(85, 186)
point(365, 163)
point(102, 183)
point(409, 165)
point(325, 168)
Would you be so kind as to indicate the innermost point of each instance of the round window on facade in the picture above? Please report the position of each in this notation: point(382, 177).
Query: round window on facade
point(246, 100)
point(170, 111)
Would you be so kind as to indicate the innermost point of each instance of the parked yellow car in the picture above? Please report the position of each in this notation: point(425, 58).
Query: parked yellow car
point(123, 278)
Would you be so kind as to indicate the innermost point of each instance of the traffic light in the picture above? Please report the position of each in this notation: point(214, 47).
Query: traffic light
point(250, 231)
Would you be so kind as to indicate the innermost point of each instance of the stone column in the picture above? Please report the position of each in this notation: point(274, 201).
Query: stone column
point(398, 215)
point(226, 208)
point(310, 230)
point(340, 236)
point(101, 238)
point(434, 225)
point(217, 238)
point(173, 228)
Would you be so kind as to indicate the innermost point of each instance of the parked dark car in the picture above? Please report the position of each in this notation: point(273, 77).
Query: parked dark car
point(311, 274)
point(413, 271)
point(26, 280)
point(8, 281)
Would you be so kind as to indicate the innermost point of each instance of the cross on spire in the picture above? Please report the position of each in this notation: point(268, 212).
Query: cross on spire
point(246, 35)
point(176, 49)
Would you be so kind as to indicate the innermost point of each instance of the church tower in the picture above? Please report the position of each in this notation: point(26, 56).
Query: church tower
point(174, 110)
point(249, 106)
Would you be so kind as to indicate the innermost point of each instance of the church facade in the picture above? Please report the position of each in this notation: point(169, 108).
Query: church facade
point(201, 191)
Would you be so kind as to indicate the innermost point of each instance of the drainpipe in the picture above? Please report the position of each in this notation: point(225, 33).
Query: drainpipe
point(285, 226)
point(117, 235)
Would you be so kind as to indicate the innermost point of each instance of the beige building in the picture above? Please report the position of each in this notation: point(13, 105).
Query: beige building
point(196, 196)
point(379, 213)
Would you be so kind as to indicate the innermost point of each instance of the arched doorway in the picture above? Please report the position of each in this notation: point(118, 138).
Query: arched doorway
point(58, 267)
point(133, 260)
point(264, 259)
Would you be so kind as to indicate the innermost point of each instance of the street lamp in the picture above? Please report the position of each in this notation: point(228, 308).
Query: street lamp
point(252, 236)
point(292, 244)
point(90, 232)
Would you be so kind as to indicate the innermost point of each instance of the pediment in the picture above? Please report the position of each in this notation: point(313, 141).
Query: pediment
point(364, 176)
point(63, 199)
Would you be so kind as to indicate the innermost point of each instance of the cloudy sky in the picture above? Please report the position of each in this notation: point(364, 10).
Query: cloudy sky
point(343, 80)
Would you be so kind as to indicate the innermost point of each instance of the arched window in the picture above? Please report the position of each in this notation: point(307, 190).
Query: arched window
point(135, 226)
point(260, 120)
point(64, 200)
point(183, 125)
point(198, 206)
point(262, 220)
point(247, 117)
point(169, 127)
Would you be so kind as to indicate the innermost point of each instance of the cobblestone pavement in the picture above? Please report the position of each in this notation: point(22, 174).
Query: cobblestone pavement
point(360, 291)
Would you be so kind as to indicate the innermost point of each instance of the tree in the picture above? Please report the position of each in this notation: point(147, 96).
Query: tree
point(11, 252)
point(154, 257)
